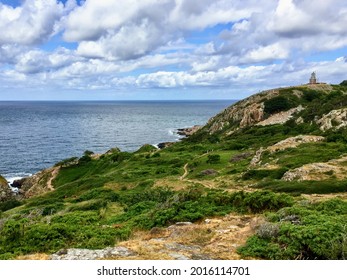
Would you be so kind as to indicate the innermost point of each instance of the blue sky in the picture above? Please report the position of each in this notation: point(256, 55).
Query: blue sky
point(168, 49)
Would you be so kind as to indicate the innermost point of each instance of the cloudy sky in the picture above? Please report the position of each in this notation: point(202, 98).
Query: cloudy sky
point(167, 49)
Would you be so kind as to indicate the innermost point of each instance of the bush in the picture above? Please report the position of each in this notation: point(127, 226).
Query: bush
point(276, 105)
point(7, 205)
point(258, 174)
point(52, 209)
point(67, 162)
point(212, 159)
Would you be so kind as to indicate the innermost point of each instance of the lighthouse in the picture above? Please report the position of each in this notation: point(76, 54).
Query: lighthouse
point(313, 79)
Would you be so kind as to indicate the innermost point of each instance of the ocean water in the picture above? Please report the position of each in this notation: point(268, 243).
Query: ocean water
point(36, 135)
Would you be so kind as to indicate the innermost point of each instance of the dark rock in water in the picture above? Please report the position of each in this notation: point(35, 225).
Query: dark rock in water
point(5, 191)
point(188, 131)
point(18, 183)
point(165, 145)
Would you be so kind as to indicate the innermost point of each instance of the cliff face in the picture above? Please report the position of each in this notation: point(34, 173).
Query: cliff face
point(241, 114)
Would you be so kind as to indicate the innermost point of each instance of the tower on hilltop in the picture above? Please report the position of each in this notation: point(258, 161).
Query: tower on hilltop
point(313, 79)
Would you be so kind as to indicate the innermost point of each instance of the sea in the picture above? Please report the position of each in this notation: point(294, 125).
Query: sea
point(35, 135)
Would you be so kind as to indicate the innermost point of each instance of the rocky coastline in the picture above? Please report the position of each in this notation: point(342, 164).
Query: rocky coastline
point(184, 132)
point(35, 184)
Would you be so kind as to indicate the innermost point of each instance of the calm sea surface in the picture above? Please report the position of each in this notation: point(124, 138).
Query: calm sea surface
point(36, 135)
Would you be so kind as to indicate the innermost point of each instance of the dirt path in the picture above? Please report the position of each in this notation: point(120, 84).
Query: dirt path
point(54, 174)
point(185, 168)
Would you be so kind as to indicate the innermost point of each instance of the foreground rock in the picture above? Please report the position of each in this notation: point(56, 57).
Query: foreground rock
point(5, 191)
point(86, 254)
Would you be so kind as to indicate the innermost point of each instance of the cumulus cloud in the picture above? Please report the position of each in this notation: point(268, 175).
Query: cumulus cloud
point(29, 24)
point(123, 29)
point(35, 61)
point(170, 43)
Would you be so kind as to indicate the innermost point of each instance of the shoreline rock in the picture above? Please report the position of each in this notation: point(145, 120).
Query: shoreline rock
point(188, 131)
point(164, 145)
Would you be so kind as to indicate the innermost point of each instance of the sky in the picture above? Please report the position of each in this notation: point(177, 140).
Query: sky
point(167, 49)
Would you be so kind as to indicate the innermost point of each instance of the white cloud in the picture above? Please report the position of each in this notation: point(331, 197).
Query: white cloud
point(266, 53)
point(31, 23)
point(130, 42)
point(123, 29)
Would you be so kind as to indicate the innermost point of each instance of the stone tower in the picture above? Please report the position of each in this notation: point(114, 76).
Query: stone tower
point(313, 79)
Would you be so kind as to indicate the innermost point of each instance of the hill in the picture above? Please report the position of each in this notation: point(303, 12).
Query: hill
point(265, 178)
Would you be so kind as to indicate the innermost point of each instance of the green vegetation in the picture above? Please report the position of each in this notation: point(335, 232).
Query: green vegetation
point(277, 104)
point(307, 187)
point(303, 231)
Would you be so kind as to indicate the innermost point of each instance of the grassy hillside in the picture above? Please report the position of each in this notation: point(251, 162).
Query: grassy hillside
point(292, 173)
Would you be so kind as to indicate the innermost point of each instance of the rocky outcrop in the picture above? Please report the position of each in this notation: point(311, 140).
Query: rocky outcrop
point(241, 114)
point(319, 171)
point(39, 183)
point(291, 142)
point(188, 131)
point(5, 191)
point(281, 118)
point(252, 115)
point(335, 119)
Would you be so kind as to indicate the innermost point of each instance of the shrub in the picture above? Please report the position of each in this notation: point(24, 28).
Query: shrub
point(258, 174)
point(7, 205)
point(276, 105)
point(212, 159)
point(67, 162)
point(268, 230)
point(52, 209)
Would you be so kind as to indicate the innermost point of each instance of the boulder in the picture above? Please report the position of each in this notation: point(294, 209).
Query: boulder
point(18, 183)
point(208, 172)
